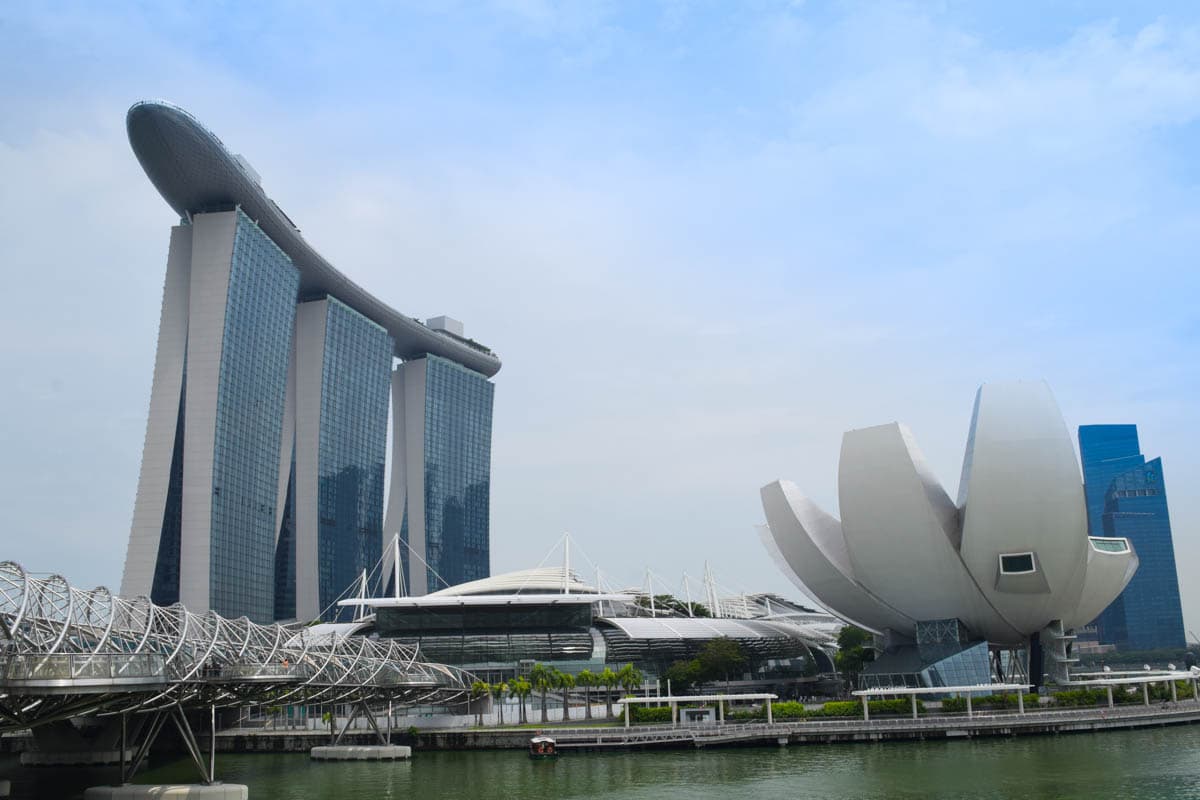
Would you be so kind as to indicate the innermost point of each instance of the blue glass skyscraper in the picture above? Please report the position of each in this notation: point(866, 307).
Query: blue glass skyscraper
point(1126, 496)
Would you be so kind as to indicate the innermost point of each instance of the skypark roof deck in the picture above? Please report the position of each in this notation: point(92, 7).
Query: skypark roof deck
point(195, 172)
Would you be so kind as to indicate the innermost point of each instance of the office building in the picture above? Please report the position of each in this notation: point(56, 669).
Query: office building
point(1127, 498)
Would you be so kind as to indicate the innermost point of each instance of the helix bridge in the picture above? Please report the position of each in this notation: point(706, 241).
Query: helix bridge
point(68, 653)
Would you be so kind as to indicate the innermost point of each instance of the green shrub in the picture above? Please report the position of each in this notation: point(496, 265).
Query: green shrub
point(1075, 698)
point(989, 701)
point(786, 710)
point(841, 708)
point(853, 708)
point(650, 714)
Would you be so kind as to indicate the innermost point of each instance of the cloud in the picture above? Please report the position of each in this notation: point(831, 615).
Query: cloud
point(703, 250)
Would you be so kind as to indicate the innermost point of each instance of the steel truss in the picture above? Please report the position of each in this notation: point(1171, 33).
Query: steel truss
point(67, 652)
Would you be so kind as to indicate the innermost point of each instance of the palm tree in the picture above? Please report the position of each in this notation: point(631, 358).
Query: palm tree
point(566, 682)
point(587, 679)
point(479, 689)
point(498, 691)
point(542, 678)
point(520, 689)
point(630, 678)
point(608, 679)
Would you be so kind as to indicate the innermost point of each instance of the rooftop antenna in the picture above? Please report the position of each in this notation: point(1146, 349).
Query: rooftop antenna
point(397, 575)
point(687, 591)
point(566, 563)
point(710, 587)
point(650, 588)
point(599, 589)
point(362, 595)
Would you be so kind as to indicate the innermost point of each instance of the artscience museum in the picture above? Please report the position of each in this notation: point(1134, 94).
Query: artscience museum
point(986, 586)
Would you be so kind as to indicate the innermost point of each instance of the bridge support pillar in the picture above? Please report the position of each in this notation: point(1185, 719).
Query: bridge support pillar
point(363, 709)
point(88, 741)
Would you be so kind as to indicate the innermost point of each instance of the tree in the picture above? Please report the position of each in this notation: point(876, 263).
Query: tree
point(683, 676)
point(630, 678)
point(855, 649)
point(587, 679)
point(479, 690)
point(719, 657)
point(498, 691)
point(542, 678)
point(608, 679)
point(520, 689)
point(566, 682)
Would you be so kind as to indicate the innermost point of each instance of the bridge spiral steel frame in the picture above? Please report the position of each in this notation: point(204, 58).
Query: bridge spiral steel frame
point(67, 652)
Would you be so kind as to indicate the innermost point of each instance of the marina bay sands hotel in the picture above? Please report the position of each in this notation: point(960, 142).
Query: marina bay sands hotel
point(261, 490)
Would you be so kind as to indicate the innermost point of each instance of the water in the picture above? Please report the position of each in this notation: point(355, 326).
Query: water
point(1148, 765)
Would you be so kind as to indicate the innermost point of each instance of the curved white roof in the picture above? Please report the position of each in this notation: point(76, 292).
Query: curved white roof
point(706, 628)
point(195, 172)
point(539, 580)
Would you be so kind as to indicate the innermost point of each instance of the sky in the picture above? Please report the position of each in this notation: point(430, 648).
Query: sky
point(705, 239)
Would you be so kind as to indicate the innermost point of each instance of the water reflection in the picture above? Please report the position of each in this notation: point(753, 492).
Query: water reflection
point(1149, 765)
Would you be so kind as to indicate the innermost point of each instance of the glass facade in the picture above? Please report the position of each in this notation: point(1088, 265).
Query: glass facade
point(1106, 451)
point(260, 316)
point(165, 589)
point(458, 457)
point(503, 637)
point(355, 386)
point(285, 551)
point(1133, 504)
point(946, 664)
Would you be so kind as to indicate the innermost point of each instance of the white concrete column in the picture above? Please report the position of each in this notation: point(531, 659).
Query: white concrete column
point(866, 701)
point(1174, 691)
point(1146, 693)
point(914, 704)
point(1195, 690)
point(1020, 701)
point(674, 714)
point(970, 712)
point(720, 711)
point(1110, 698)
point(627, 713)
point(771, 714)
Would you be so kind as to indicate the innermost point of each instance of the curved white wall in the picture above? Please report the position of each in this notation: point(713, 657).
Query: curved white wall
point(904, 551)
point(1023, 493)
point(900, 528)
point(810, 542)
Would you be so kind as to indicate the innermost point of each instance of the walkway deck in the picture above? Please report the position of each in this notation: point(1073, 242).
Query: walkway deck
point(934, 726)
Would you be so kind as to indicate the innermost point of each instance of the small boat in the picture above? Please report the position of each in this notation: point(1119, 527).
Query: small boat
point(542, 747)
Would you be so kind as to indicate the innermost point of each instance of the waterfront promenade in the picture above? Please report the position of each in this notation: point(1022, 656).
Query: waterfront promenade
point(601, 737)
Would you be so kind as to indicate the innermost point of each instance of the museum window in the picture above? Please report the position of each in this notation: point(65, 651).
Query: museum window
point(1016, 563)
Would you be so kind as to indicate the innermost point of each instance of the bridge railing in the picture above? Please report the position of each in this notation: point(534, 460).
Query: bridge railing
point(84, 666)
point(280, 672)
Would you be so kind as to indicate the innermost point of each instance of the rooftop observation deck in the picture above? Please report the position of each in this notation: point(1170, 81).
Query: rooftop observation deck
point(195, 172)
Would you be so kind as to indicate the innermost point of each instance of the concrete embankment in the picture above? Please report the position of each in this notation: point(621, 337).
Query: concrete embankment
point(934, 726)
point(809, 731)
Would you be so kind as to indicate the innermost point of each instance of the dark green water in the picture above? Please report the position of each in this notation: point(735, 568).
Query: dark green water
point(1147, 765)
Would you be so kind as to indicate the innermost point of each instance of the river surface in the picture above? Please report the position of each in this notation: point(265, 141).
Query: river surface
point(1147, 765)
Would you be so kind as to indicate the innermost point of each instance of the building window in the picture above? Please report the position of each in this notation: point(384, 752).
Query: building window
point(1110, 545)
point(1016, 563)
